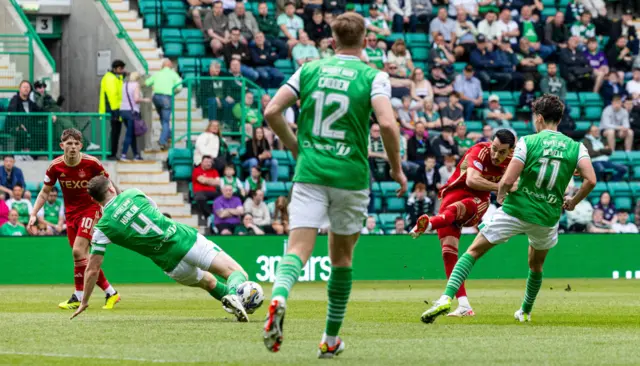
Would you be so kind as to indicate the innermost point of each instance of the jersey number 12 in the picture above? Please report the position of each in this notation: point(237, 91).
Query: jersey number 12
point(322, 127)
point(555, 166)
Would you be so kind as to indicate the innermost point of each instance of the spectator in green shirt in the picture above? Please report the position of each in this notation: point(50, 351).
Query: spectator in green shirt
point(13, 227)
point(269, 26)
point(304, 51)
point(464, 141)
point(290, 24)
point(248, 227)
point(163, 83)
point(253, 117)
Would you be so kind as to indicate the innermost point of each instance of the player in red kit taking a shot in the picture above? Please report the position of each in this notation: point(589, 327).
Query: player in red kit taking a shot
point(465, 199)
point(73, 171)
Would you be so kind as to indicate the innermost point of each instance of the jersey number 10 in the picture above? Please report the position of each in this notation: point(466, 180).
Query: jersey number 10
point(544, 164)
point(322, 127)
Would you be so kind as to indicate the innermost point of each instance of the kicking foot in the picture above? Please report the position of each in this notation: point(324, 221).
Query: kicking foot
point(233, 302)
point(521, 316)
point(325, 351)
point(71, 304)
point(421, 226)
point(462, 311)
point(273, 325)
point(111, 301)
point(441, 307)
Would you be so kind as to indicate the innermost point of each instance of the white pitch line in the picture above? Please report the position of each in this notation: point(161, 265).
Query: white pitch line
point(63, 355)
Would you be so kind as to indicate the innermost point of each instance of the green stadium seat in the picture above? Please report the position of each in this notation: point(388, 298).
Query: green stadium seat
point(572, 99)
point(598, 189)
point(152, 20)
point(283, 64)
point(377, 204)
point(590, 99)
point(542, 69)
point(635, 189)
point(171, 35)
point(180, 156)
point(387, 220)
point(620, 189)
point(389, 188)
point(176, 18)
point(582, 125)
point(619, 157)
point(636, 172)
point(458, 67)
point(548, 12)
point(522, 128)
point(206, 62)
point(168, 5)
point(288, 186)
point(549, 3)
point(506, 98)
point(575, 113)
point(395, 204)
point(196, 50)
point(149, 6)
point(283, 173)
point(409, 187)
point(281, 157)
point(33, 187)
point(394, 36)
point(186, 64)
point(192, 35)
point(417, 40)
point(292, 161)
point(474, 126)
point(276, 189)
point(633, 157)
point(420, 65)
point(623, 203)
point(420, 53)
point(182, 171)
point(375, 189)
point(171, 49)
point(593, 113)
point(562, 4)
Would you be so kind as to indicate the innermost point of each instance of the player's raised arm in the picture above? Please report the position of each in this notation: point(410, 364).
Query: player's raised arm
point(43, 196)
point(388, 128)
point(585, 169)
point(284, 98)
point(509, 179)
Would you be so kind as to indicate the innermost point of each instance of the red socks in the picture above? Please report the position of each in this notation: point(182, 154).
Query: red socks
point(78, 276)
point(450, 257)
point(446, 218)
point(102, 281)
point(79, 267)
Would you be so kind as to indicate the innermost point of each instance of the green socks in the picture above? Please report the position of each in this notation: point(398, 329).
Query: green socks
point(234, 280)
point(338, 289)
point(459, 275)
point(534, 282)
point(286, 275)
point(219, 291)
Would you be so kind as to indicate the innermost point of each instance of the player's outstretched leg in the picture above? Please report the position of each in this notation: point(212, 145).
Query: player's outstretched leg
point(450, 258)
point(223, 265)
point(534, 282)
point(446, 218)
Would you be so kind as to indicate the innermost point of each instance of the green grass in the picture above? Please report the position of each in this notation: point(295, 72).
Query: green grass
point(595, 323)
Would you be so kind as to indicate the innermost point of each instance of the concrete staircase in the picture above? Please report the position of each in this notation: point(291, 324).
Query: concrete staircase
point(9, 77)
point(146, 43)
point(149, 177)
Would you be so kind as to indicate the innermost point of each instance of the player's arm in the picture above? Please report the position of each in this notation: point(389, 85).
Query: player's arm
point(509, 179)
point(98, 247)
point(585, 169)
point(381, 103)
point(274, 113)
point(476, 181)
point(42, 198)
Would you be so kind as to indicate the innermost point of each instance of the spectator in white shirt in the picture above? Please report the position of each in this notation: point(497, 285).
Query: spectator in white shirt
point(623, 226)
point(614, 123)
point(633, 86)
point(490, 28)
point(211, 143)
point(508, 28)
point(258, 209)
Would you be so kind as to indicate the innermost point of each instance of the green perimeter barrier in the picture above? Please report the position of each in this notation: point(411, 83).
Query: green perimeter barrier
point(39, 133)
point(47, 260)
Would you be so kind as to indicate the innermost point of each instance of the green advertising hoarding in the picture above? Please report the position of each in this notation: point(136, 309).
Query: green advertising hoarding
point(47, 260)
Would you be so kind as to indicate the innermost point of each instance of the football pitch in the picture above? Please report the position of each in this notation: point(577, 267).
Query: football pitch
point(597, 322)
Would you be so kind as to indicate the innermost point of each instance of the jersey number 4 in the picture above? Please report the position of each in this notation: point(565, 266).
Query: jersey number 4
point(544, 164)
point(148, 225)
point(322, 126)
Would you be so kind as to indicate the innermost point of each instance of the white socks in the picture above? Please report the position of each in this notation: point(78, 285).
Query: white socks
point(110, 291)
point(331, 341)
point(464, 302)
point(79, 294)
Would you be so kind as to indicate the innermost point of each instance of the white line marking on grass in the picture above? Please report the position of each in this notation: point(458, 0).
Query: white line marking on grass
point(64, 355)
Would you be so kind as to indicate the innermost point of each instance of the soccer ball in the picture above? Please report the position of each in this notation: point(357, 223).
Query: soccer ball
point(251, 295)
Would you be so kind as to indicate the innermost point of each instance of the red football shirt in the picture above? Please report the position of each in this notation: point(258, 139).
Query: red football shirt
point(478, 157)
point(73, 181)
point(198, 171)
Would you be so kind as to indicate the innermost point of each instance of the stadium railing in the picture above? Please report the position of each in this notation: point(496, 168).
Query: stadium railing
point(19, 47)
point(38, 134)
point(122, 34)
point(200, 90)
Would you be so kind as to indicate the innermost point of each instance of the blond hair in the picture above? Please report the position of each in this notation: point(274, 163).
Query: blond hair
point(348, 30)
point(134, 76)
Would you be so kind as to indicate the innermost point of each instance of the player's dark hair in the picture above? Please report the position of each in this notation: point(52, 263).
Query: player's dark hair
point(430, 157)
point(207, 157)
point(54, 189)
point(550, 107)
point(98, 187)
point(616, 98)
point(230, 166)
point(9, 156)
point(71, 132)
point(166, 214)
point(506, 137)
point(18, 185)
point(399, 218)
point(235, 29)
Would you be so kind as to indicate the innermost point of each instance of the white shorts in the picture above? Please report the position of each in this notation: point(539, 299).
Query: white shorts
point(191, 268)
point(311, 205)
point(503, 226)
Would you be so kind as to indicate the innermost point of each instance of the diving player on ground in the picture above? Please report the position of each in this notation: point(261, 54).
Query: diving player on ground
point(545, 163)
point(465, 199)
point(73, 170)
point(132, 220)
